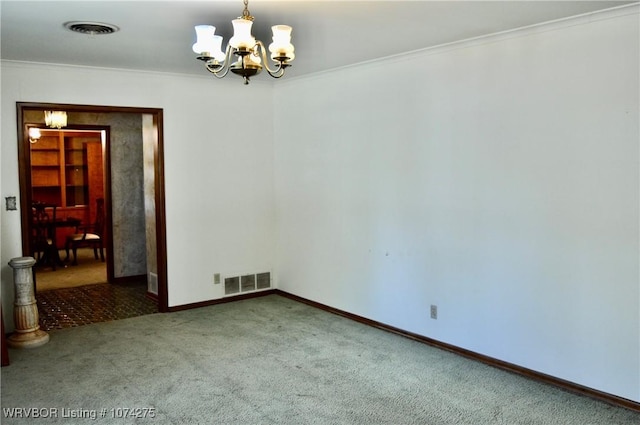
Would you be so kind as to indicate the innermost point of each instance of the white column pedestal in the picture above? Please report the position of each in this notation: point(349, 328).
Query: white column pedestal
point(25, 314)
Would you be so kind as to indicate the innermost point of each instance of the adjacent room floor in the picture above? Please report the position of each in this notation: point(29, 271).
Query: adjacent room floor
point(102, 302)
point(79, 295)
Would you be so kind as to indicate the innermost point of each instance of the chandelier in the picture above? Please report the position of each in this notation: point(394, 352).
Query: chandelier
point(249, 54)
point(55, 119)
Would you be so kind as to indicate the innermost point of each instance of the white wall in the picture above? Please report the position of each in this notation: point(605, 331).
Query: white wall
point(496, 179)
point(218, 179)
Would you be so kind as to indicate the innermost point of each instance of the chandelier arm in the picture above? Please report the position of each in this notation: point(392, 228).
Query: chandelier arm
point(275, 73)
point(222, 71)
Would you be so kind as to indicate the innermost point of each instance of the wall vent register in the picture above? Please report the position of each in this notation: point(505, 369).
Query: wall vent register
point(247, 283)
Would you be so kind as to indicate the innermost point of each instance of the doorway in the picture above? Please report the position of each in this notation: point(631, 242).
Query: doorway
point(68, 180)
point(147, 128)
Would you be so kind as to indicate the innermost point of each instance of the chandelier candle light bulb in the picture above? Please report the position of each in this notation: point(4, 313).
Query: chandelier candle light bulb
point(208, 43)
point(251, 53)
point(281, 46)
point(242, 38)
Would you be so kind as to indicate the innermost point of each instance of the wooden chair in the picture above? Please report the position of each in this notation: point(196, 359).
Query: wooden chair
point(43, 243)
point(88, 236)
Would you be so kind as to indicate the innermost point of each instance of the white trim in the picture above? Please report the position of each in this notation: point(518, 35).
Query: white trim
point(39, 65)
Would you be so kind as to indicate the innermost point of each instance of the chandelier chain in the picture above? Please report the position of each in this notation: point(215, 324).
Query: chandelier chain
point(245, 13)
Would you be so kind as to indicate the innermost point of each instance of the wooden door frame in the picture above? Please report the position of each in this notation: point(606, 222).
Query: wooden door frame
point(24, 167)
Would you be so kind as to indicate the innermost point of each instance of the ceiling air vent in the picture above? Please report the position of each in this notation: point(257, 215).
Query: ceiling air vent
point(91, 28)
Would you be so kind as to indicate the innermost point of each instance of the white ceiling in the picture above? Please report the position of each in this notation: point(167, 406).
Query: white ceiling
point(157, 35)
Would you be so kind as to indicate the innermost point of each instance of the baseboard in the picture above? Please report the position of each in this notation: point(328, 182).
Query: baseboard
point(223, 300)
point(510, 367)
point(130, 279)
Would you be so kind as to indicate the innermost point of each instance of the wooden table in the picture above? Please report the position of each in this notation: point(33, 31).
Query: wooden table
point(53, 257)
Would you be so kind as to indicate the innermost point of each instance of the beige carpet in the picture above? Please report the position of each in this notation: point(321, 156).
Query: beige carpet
point(88, 271)
point(272, 360)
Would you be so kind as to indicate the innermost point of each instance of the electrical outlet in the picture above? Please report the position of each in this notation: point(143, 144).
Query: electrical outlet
point(216, 279)
point(434, 311)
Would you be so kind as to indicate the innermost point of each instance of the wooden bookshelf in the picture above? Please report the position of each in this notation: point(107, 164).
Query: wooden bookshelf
point(46, 167)
point(61, 165)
